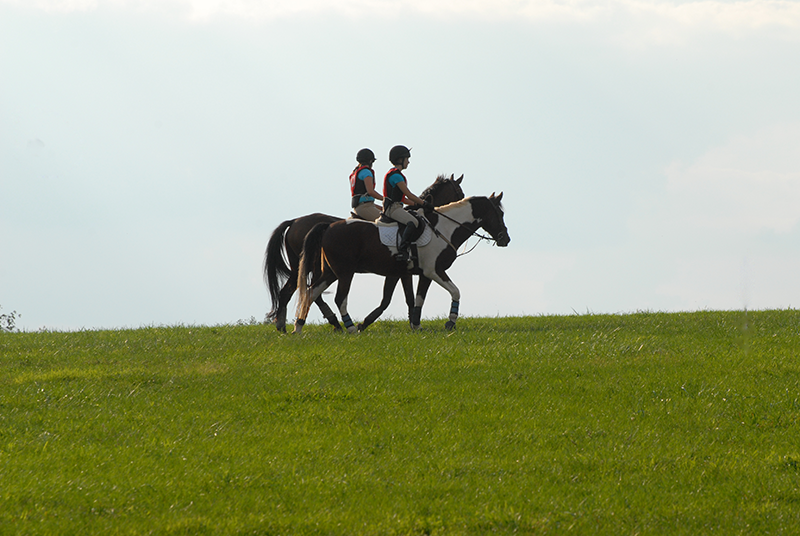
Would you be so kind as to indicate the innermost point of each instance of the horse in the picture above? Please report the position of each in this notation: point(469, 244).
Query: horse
point(339, 250)
point(282, 256)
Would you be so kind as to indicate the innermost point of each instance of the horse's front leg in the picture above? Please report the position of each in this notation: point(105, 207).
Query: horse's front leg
point(446, 283)
point(408, 292)
point(389, 285)
point(422, 291)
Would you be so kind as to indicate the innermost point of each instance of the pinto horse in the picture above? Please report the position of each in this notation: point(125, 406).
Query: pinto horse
point(282, 256)
point(339, 250)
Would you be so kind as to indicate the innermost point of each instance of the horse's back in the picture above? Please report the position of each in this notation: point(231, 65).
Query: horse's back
point(356, 246)
point(302, 225)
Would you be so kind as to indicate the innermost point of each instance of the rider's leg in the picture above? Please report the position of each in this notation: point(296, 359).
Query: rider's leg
point(399, 214)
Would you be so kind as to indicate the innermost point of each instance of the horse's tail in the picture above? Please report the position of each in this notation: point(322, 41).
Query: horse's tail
point(311, 265)
point(276, 269)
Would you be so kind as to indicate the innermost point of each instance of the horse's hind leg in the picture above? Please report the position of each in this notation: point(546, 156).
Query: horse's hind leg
point(283, 302)
point(389, 285)
point(302, 308)
point(342, 290)
point(328, 313)
point(286, 296)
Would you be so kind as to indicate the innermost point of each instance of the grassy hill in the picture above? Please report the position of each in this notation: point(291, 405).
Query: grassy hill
point(623, 424)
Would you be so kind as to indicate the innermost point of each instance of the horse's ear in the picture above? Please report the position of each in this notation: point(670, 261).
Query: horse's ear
point(491, 196)
point(499, 198)
point(452, 175)
point(461, 178)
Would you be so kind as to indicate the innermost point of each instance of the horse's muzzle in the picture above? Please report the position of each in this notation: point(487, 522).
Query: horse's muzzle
point(502, 239)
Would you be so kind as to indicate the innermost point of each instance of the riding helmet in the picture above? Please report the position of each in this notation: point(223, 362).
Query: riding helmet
point(365, 156)
point(398, 153)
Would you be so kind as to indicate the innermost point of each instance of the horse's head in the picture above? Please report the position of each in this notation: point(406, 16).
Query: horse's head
point(492, 219)
point(444, 191)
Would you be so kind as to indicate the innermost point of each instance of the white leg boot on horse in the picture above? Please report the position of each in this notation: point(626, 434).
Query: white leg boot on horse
point(342, 289)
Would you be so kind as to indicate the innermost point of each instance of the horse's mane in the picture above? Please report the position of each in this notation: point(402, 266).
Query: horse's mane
point(471, 199)
point(440, 182)
point(455, 204)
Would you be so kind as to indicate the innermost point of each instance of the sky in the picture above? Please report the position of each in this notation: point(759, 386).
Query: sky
point(648, 150)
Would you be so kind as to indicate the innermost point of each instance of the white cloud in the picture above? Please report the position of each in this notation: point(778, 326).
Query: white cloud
point(751, 184)
point(733, 280)
point(716, 14)
point(705, 282)
point(488, 276)
point(717, 230)
point(747, 186)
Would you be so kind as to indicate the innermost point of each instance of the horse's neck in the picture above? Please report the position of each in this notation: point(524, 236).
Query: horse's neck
point(457, 216)
point(444, 195)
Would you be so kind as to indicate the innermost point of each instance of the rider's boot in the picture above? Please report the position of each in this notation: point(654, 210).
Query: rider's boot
point(405, 241)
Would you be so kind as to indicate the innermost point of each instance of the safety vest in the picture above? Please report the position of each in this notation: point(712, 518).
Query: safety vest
point(357, 187)
point(393, 193)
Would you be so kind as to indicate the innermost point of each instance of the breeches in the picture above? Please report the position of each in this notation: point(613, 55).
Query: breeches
point(398, 213)
point(368, 211)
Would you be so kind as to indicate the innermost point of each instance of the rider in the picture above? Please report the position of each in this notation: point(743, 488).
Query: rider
point(395, 193)
point(362, 187)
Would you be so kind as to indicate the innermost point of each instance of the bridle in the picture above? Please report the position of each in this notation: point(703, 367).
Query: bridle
point(458, 193)
point(472, 233)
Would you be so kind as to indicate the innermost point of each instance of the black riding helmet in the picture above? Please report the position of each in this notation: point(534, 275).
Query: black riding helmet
point(398, 153)
point(365, 156)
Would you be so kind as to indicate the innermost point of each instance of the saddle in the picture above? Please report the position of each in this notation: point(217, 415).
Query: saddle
point(354, 216)
point(391, 231)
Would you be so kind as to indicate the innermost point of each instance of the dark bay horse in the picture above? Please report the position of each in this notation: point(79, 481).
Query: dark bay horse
point(339, 250)
point(282, 256)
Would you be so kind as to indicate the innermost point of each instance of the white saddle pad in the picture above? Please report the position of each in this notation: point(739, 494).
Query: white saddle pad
point(389, 235)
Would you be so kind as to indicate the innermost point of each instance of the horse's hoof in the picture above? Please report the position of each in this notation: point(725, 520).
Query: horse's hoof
point(415, 317)
point(352, 329)
point(361, 327)
point(450, 325)
point(415, 327)
point(337, 329)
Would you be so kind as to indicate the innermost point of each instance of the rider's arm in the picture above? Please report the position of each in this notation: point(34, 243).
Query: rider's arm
point(369, 182)
point(411, 197)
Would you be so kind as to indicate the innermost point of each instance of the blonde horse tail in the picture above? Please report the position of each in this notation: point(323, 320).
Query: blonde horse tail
point(311, 268)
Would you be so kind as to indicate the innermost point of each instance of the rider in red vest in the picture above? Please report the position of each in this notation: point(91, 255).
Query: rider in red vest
point(395, 193)
point(362, 187)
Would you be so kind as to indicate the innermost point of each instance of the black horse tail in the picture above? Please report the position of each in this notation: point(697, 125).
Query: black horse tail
point(311, 264)
point(276, 269)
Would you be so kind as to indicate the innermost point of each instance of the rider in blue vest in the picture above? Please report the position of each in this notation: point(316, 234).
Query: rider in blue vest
point(395, 193)
point(362, 187)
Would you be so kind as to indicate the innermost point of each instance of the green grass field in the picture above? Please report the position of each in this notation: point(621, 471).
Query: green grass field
point(625, 424)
